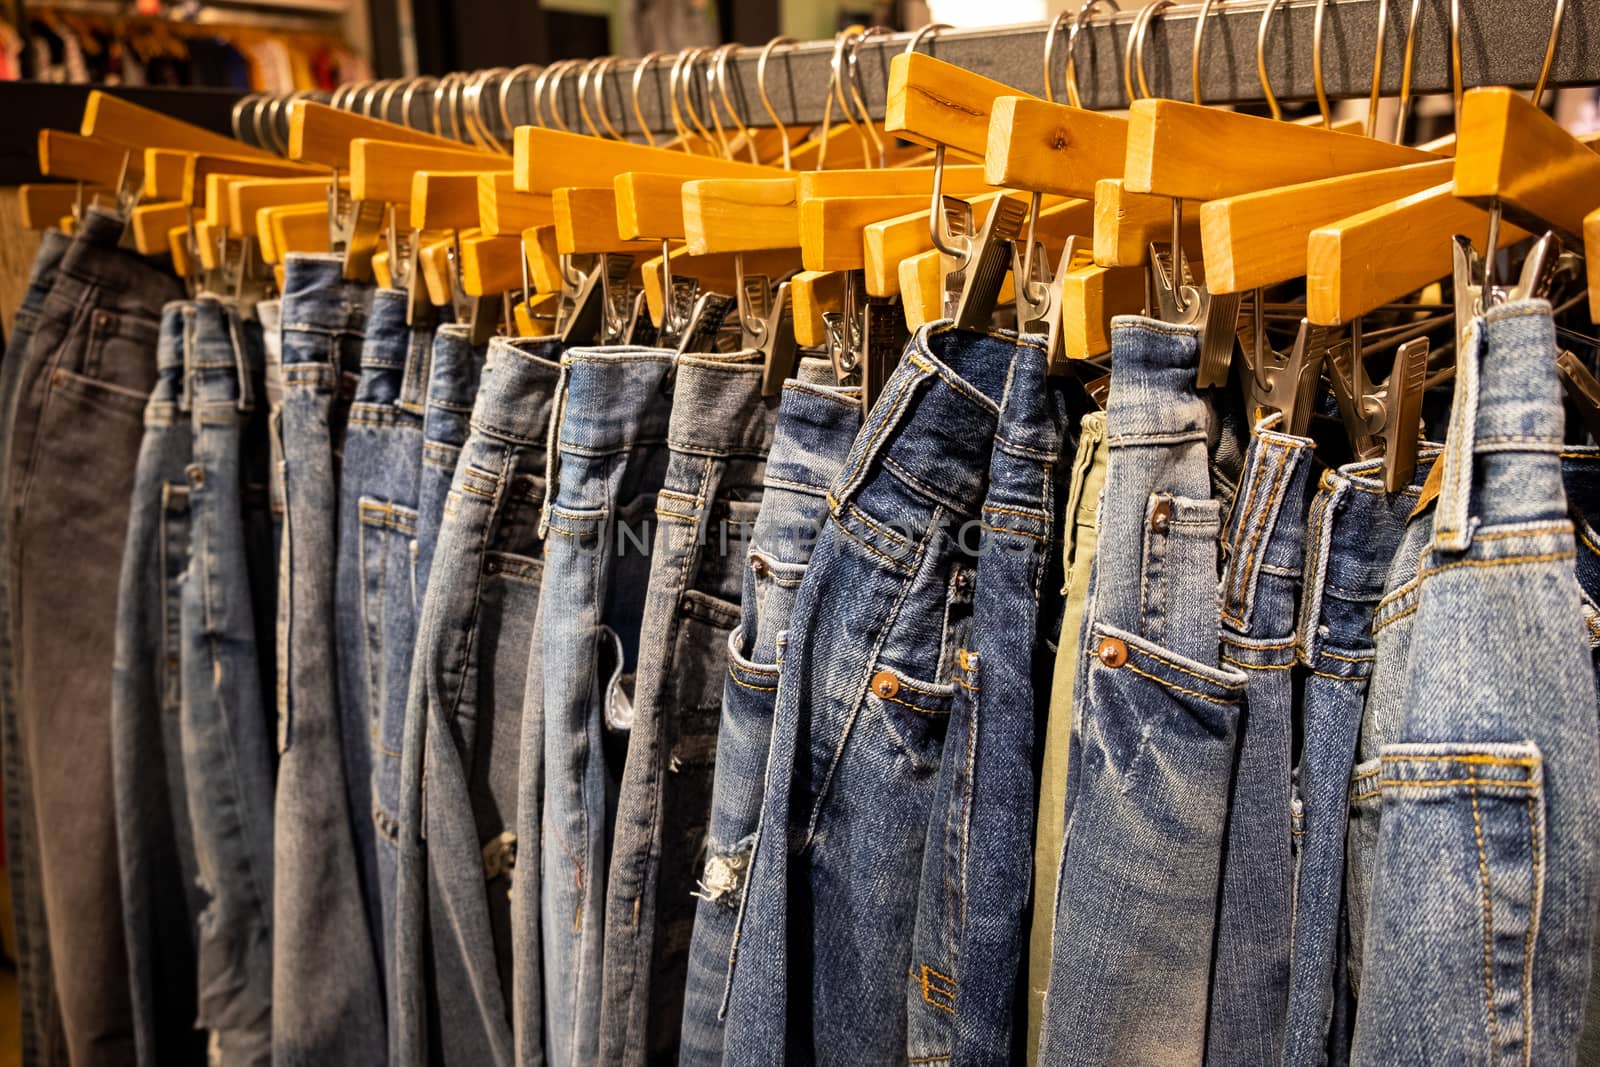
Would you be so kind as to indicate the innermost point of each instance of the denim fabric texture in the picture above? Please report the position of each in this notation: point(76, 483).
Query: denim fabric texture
point(228, 751)
point(376, 597)
point(327, 1006)
point(817, 423)
point(461, 750)
point(824, 942)
point(41, 1039)
point(1352, 532)
point(967, 953)
point(1263, 543)
point(453, 373)
point(161, 897)
point(76, 427)
point(1484, 886)
point(1137, 893)
point(719, 438)
point(608, 462)
point(1080, 537)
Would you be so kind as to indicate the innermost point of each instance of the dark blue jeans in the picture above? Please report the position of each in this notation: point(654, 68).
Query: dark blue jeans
point(161, 898)
point(453, 375)
point(327, 1006)
point(869, 673)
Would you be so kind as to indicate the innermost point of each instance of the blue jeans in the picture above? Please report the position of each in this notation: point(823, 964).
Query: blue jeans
point(75, 428)
point(720, 436)
point(376, 602)
point(1485, 876)
point(460, 755)
point(42, 1038)
point(228, 752)
point(453, 373)
point(327, 1007)
point(817, 421)
point(161, 900)
point(962, 999)
point(869, 672)
point(608, 464)
point(1157, 716)
point(1353, 531)
point(1263, 545)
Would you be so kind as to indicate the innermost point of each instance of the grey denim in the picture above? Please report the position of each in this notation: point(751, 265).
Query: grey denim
point(161, 897)
point(719, 438)
point(459, 856)
point(228, 750)
point(327, 1006)
point(817, 422)
point(607, 464)
point(75, 432)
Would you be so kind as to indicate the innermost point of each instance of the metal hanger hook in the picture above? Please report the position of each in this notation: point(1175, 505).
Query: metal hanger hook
point(720, 66)
point(1079, 22)
point(505, 91)
point(945, 241)
point(638, 110)
point(1549, 52)
point(853, 75)
point(1050, 54)
point(1199, 36)
point(1317, 20)
point(1133, 58)
point(766, 100)
point(1261, 58)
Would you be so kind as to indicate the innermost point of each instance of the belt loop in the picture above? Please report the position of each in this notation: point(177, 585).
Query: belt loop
point(1319, 542)
point(419, 365)
point(241, 361)
point(552, 448)
point(186, 393)
point(1453, 524)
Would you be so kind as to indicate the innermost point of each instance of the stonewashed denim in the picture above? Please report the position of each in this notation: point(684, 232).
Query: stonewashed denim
point(461, 760)
point(376, 608)
point(327, 1006)
point(1080, 536)
point(961, 1001)
point(825, 935)
point(720, 436)
point(453, 373)
point(1352, 533)
point(1263, 545)
point(270, 314)
point(609, 460)
point(76, 427)
point(817, 423)
point(1148, 792)
point(1485, 882)
point(161, 897)
point(42, 1039)
point(228, 750)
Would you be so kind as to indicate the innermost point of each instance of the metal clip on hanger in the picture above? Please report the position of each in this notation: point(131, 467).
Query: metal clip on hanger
point(1383, 421)
point(1285, 382)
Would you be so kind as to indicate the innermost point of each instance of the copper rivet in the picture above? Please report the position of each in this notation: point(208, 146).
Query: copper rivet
point(885, 684)
point(758, 565)
point(1113, 653)
point(1161, 516)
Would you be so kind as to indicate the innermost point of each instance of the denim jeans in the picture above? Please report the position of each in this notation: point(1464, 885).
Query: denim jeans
point(817, 422)
point(75, 434)
point(962, 1001)
point(42, 1039)
point(869, 670)
point(1263, 548)
point(720, 436)
point(609, 460)
point(1080, 537)
point(161, 900)
point(376, 607)
point(270, 314)
point(228, 750)
point(453, 373)
point(1148, 791)
point(327, 1006)
point(1353, 531)
point(461, 758)
point(1484, 884)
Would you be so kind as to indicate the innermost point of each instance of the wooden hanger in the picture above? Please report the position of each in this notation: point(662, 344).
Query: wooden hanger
point(1044, 147)
point(891, 243)
point(444, 200)
point(815, 293)
point(504, 212)
point(1591, 259)
point(43, 205)
point(934, 103)
point(544, 258)
point(1126, 224)
point(110, 118)
point(76, 158)
point(324, 135)
point(152, 226)
point(586, 222)
point(1510, 153)
point(198, 167)
point(183, 264)
point(295, 228)
point(247, 198)
point(717, 273)
point(383, 170)
point(547, 160)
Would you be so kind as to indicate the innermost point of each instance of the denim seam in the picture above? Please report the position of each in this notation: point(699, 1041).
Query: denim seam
point(1488, 928)
point(892, 408)
point(890, 560)
point(799, 487)
point(1164, 683)
point(888, 535)
point(746, 685)
point(993, 528)
point(914, 707)
point(1257, 666)
point(1281, 473)
point(911, 481)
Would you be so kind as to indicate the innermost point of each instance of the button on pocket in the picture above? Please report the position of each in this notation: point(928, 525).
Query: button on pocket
point(885, 684)
point(1112, 652)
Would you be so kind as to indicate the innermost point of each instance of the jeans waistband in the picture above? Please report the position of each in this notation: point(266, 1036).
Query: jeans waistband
point(170, 388)
point(455, 368)
point(518, 389)
point(1153, 398)
point(1507, 409)
point(935, 420)
point(813, 370)
point(53, 247)
point(717, 406)
point(1580, 475)
point(318, 299)
point(605, 398)
point(1353, 530)
point(270, 314)
point(815, 428)
point(1264, 537)
point(224, 355)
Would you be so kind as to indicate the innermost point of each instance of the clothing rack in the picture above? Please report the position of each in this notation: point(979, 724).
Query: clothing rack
point(1502, 43)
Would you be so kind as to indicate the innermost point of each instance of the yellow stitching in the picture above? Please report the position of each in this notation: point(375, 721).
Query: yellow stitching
point(1553, 526)
point(746, 685)
point(914, 707)
point(858, 513)
point(1013, 530)
point(1015, 511)
point(1180, 667)
point(896, 564)
point(665, 514)
point(1440, 783)
point(929, 1059)
point(1488, 929)
point(772, 673)
point(1240, 642)
point(1367, 795)
point(1178, 688)
point(1379, 627)
point(877, 432)
point(1349, 659)
point(1278, 486)
point(1367, 774)
point(1533, 925)
point(1493, 761)
point(1584, 537)
point(1249, 496)
point(964, 685)
point(1257, 666)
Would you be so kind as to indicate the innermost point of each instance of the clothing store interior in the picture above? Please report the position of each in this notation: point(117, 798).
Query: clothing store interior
point(737, 533)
